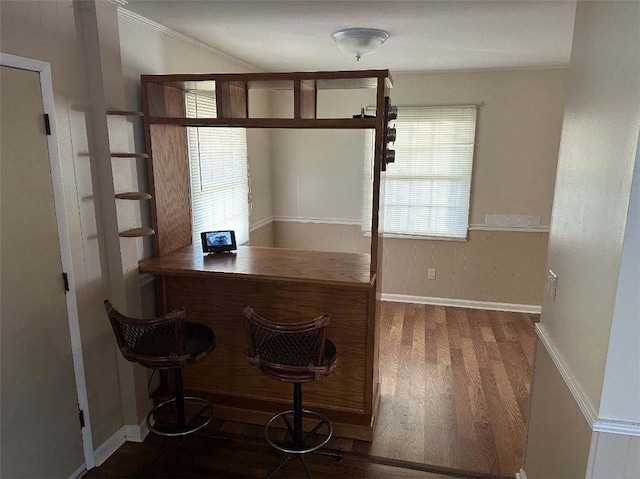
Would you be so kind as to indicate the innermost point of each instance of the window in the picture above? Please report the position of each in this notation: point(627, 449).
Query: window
point(219, 180)
point(428, 187)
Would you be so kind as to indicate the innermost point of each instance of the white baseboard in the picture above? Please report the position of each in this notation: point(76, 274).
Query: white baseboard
point(463, 303)
point(615, 426)
point(570, 380)
point(128, 432)
point(79, 472)
point(111, 445)
point(521, 474)
point(136, 433)
point(597, 424)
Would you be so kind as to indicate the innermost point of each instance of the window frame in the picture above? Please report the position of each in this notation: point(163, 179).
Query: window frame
point(193, 136)
point(470, 134)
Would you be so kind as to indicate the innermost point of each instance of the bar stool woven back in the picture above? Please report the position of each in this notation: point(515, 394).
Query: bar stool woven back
point(167, 342)
point(296, 353)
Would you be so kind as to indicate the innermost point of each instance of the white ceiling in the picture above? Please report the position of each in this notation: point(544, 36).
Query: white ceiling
point(425, 35)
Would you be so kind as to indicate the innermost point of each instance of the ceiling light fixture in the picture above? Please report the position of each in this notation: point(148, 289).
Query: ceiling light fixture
point(359, 41)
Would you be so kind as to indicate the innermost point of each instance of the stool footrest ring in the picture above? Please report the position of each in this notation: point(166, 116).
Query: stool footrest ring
point(174, 430)
point(290, 448)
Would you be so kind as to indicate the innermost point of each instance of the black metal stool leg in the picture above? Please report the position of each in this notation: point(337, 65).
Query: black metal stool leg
point(297, 415)
point(180, 399)
point(307, 471)
point(275, 471)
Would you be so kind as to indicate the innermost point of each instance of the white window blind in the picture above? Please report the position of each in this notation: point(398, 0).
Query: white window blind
point(219, 179)
point(427, 189)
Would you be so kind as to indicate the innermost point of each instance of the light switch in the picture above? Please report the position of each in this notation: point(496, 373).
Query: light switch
point(552, 285)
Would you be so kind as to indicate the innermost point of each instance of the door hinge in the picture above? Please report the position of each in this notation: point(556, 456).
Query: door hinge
point(81, 417)
point(47, 124)
point(65, 280)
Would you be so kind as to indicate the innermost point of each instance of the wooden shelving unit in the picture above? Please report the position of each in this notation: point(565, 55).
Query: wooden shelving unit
point(144, 156)
point(132, 195)
point(124, 113)
point(165, 122)
point(137, 232)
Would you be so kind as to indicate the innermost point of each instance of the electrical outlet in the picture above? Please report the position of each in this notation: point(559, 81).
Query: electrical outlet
point(552, 285)
point(431, 273)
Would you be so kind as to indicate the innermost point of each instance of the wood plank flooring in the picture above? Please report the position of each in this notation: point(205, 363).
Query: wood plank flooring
point(206, 458)
point(454, 400)
point(454, 388)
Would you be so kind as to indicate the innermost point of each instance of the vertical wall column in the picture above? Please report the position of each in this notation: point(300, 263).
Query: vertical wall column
point(98, 20)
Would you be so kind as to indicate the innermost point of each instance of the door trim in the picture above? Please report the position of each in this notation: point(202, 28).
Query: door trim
point(46, 87)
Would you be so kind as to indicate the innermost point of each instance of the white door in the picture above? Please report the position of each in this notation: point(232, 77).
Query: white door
point(40, 428)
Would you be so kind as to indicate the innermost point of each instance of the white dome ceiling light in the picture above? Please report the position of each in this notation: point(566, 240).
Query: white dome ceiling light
point(359, 41)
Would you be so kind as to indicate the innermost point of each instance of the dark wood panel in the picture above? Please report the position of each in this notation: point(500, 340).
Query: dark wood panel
point(302, 123)
point(219, 303)
point(170, 188)
point(267, 264)
point(305, 99)
point(232, 100)
point(326, 79)
point(165, 101)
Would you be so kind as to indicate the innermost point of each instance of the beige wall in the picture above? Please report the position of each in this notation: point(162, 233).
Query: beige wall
point(492, 266)
point(50, 31)
point(517, 137)
point(262, 236)
point(591, 222)
point(318, 176)
point(147, 48)
point(558, 436)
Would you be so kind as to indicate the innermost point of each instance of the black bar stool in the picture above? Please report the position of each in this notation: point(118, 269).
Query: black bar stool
point(295, 353)
point(167, 343)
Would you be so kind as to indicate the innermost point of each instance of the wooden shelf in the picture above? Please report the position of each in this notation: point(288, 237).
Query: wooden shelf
point(124, 113)
point(133, 195)
point(137, 232)
point(129, 155)
point(303, 123)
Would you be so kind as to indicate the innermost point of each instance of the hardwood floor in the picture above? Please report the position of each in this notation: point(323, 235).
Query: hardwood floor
point(455, 388)
point(454, 400)
point(238, 458)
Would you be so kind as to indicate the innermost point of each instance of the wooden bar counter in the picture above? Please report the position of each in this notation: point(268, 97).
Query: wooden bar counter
point(283, 285)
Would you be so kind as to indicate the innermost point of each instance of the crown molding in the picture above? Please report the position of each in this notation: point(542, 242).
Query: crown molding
point(129, 15)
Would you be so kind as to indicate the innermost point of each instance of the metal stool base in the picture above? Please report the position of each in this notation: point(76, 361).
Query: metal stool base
point(291, 449)
point(177, 430)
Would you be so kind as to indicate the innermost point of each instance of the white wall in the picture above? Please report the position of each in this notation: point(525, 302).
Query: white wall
point(621, 389)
